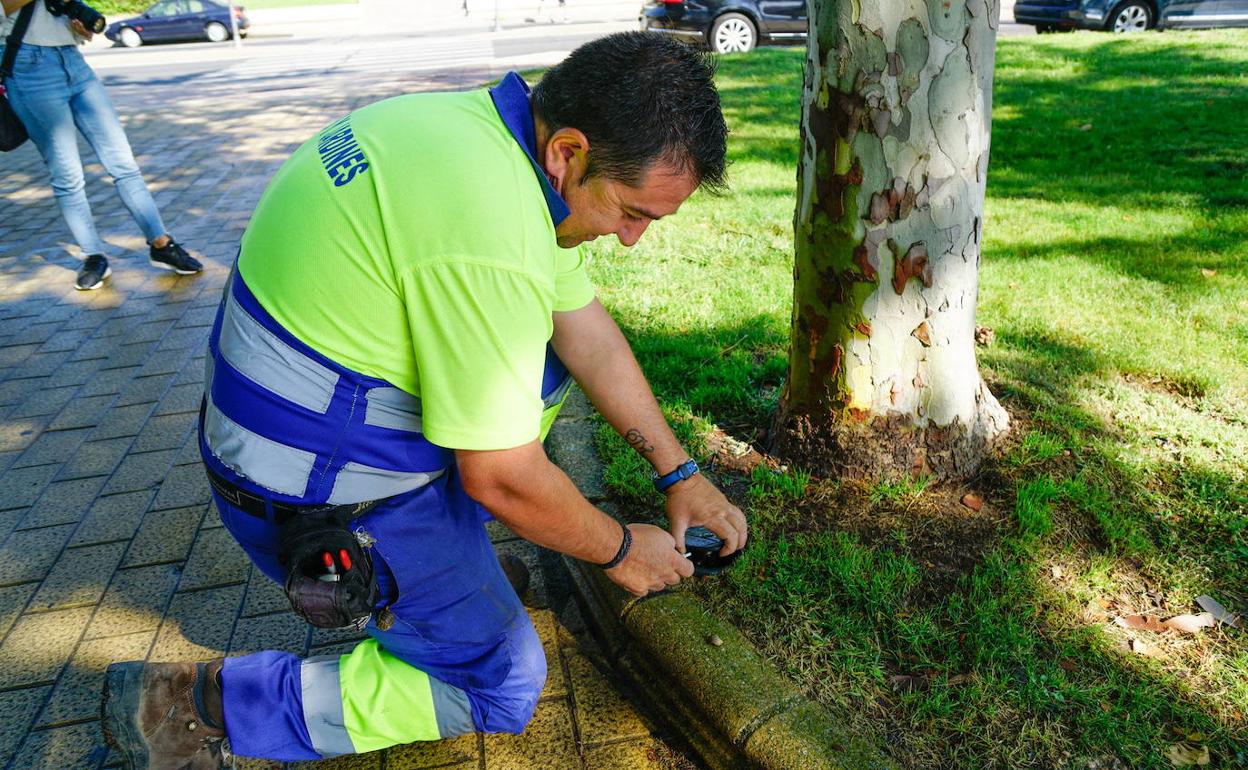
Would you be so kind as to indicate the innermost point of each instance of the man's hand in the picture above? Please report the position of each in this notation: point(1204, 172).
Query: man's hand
point(696, 502)
point(80, 31)
point(652, 564)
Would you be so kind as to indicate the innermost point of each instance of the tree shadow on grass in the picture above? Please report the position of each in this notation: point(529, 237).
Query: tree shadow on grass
point(1002, 663)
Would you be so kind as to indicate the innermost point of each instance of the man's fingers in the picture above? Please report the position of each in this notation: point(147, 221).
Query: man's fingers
point(736, 519)
point(684, 567)
point(678, 534)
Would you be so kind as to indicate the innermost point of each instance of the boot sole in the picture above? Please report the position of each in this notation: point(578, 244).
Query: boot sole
point(172, 269)
point(107, 272)
point(123, 686)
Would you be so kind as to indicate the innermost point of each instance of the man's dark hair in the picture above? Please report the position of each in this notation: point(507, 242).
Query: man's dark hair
point(640, 98)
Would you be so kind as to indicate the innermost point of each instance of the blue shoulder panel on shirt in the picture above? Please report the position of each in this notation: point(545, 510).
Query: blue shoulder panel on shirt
point(511, 99)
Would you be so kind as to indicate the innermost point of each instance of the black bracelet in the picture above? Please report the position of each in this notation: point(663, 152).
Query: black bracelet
point(625, 544)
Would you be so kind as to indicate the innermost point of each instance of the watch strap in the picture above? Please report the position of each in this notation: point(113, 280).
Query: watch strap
point(682, 472)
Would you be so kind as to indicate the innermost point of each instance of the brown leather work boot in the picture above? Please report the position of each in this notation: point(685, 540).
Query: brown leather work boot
point(517, 573)
point(165, 716)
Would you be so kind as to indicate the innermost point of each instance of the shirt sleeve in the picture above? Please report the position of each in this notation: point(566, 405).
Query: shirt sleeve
point(480, 335)
point(573, 289)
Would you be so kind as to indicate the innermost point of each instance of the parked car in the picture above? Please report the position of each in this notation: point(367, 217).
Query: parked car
point(1130, 15)
point(728, 26)
point(171, 20)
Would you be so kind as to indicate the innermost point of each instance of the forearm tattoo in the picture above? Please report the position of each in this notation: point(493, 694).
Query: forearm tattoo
point(638, 441)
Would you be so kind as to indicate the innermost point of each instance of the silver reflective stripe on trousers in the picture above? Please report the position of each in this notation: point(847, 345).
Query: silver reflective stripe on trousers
point(261, 356)
point(392, 408)
point(557, 395)
point(322, 706)
point(451, 708)
point(357, 483)
point(273, 466)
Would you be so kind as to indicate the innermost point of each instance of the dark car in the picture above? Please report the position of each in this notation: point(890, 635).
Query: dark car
point(728, 26)
point(171, 20)
point(1130, 15)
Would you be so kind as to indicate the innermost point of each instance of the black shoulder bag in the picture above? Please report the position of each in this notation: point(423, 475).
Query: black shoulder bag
point(12, 132)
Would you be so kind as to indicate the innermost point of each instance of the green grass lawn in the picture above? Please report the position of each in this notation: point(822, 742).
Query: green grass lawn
point(1115, 261)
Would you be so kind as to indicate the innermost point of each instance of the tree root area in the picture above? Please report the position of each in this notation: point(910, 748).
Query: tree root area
point(884, 447)
point(944, 527)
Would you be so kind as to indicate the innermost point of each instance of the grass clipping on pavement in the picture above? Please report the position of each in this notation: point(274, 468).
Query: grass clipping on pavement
point(994, 623)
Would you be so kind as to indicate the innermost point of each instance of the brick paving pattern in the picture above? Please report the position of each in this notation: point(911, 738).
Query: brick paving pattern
point(109, 548)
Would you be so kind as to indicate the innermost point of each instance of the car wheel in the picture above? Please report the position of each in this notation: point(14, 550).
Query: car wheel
point(1131, 16)
point(129, 38)
point(733, 33)
point(216, 32)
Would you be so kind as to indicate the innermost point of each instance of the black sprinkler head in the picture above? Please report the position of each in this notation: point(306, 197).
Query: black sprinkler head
point(702, 548)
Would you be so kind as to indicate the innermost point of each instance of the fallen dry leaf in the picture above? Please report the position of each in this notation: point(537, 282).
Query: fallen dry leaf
point(1086, 127)
point(1206, 272)
point(1185, 624)
point(1190, 624)
point(1184, 754)
point(1140, 622)
point(1210, 605)
point(958, 679)
point(1056, 572)
point(984, 335)
point(1068, 665)
point(972, 501)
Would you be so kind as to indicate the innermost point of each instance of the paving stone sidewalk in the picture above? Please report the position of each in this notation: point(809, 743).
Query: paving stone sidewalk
point(109, 548)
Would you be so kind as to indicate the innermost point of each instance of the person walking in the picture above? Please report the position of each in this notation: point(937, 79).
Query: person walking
point(408, 311)
point(56, 95)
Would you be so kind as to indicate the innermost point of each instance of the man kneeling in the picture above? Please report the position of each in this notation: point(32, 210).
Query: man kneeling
point(408, 310)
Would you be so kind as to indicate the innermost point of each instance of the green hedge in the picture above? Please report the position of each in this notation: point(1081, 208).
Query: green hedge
point(120, 8)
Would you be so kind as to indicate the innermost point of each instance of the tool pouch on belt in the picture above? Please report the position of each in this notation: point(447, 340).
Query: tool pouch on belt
point(347, 601)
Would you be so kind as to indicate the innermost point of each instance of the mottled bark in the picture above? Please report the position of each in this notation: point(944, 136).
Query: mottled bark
point(896, 109)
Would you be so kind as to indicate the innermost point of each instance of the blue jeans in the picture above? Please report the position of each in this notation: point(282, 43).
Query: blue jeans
point(53, 91)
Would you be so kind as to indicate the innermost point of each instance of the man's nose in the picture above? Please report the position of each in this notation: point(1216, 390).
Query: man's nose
point(631, 232)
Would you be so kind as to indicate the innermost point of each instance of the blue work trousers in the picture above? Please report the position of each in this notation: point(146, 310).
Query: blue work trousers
point(457, 619)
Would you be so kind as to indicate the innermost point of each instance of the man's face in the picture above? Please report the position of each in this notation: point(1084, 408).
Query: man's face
point(602, 206)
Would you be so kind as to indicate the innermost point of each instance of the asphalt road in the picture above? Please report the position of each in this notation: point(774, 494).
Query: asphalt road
point(322, 48)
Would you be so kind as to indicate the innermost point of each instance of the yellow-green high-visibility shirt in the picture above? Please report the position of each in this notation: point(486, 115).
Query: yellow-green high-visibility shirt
point(414, 241)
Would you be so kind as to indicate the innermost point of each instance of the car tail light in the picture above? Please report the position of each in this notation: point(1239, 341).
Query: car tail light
point(673, 2)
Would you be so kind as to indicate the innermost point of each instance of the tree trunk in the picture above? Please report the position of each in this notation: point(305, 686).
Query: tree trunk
point(896, 110)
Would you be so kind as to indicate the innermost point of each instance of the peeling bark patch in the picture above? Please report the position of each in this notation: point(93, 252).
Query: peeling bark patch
point(949, 100)
point(838, 121)
point(892, 204)
point(879, 210)
point(863, 259)
point(922, 334)
point(912, 265)
point(866, 255)
point(863, 328)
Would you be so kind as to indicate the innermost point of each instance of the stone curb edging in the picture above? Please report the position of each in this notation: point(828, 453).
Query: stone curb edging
point(697, 672)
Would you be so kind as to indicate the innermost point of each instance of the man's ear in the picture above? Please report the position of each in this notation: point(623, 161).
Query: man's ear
point(566, 158)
